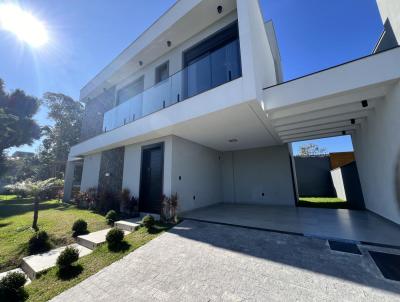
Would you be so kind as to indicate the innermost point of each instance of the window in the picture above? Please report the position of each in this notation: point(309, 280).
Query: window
point(162, 72)
point(130, 90)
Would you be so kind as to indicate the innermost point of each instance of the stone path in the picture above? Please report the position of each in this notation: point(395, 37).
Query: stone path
point(198, 261)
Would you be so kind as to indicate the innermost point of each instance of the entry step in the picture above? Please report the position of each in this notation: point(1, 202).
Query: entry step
point(34, 264)
point(92, 240)
point(129, 225)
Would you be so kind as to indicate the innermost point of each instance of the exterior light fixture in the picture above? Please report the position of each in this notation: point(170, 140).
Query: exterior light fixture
point(169, 43)
point(107, 174)
point(233, 140)
point(364, 103)
point(140, 63)
point(219, 9)
point(352, 121)
point(343, 132)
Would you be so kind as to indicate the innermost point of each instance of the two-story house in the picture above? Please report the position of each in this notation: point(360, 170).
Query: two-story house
point(196, 106)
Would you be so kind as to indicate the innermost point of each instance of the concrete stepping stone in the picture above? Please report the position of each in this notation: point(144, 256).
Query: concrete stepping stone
point(34, 264)
point(18, 270)
point(92, 240)
point(128, 224)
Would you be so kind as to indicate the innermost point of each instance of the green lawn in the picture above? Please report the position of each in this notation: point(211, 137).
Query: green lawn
point(48, 285)
point(54, 217)
point(322, 202)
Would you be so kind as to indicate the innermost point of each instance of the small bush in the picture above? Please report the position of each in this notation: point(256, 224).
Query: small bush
point(67, 257)
point(148, 221)
point(11, 287)
point(114, 237)
point(39, 243)
point(79, 227)
point(111, 217)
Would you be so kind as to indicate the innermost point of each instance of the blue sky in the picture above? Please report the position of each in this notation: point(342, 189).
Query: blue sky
point(86, 35)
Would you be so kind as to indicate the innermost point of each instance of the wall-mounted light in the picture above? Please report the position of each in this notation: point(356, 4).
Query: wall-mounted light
point(107, 174)
point(352, 121)
point(169, 43)
point(364, 103)
point(343, 132)
point(140, 63)
point(219, 9)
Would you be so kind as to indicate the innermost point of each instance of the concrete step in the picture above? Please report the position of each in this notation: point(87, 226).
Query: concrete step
point(34, 264)
point(2, 275)
point(128, 224)
point(92, 240)
point(156, 216)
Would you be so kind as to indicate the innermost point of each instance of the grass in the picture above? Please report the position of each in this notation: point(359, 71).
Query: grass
point(54, 217)
point(322, 202)
point(50, 283)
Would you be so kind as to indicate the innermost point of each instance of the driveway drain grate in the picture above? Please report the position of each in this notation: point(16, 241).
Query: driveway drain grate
point(345, 247)
point(388, 264)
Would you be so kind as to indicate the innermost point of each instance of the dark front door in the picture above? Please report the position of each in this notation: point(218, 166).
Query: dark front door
point(151, 179)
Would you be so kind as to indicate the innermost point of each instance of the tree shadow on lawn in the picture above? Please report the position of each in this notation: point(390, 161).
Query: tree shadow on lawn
point(68, 273)
point(20, 207)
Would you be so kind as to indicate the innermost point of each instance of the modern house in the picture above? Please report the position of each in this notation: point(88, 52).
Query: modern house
point(196, 106)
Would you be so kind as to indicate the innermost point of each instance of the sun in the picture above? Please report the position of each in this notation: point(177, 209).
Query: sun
point(23, 24)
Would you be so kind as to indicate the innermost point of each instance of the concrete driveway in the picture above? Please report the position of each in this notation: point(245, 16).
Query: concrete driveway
point(199, 261)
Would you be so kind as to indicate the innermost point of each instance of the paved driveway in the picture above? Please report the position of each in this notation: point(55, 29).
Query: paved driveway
point(199, 261)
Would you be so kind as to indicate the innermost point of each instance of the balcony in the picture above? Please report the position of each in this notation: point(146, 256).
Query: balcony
point(206, 72)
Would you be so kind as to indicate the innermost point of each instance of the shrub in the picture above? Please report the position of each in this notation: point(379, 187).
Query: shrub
point(79, 227)
point(148, 221)
point(11, 287)
point(39, 243)
point(68, 256)
point(111, 217)
point(114, 237)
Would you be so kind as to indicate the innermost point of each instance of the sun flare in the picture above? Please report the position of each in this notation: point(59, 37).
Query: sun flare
point(23, 24)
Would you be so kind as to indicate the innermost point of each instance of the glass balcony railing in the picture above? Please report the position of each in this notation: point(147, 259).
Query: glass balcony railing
point(209, 71)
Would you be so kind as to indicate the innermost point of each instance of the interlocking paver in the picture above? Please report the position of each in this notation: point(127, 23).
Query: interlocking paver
point(198, 261)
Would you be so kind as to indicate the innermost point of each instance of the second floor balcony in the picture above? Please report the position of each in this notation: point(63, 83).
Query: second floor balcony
point(203, 71)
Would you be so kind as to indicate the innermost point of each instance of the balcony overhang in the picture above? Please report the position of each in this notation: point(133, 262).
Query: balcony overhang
point(331, 102)
point(212, 118)
point(182, 21)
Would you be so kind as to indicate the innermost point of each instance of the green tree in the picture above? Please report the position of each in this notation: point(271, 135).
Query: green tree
point(311, 150)
point(17, 126)
point(59, 137)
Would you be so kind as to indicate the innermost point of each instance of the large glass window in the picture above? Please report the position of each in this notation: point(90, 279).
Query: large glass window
point(162, 72)
point(213, 61)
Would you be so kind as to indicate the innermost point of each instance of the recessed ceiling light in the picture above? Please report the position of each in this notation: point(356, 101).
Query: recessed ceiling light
point(233, 140)
point(219, 9)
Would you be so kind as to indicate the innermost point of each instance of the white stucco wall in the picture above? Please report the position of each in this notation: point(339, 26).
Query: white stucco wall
point(337, 179)
point(377, 151)
point(199, 168)
point(132, 164)
point(249, 173)
point(90, 172)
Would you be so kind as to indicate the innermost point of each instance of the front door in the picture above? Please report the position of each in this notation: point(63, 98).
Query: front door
point(151, 179)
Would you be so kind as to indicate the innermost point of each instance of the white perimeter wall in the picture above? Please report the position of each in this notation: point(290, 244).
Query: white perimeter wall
point(377, 151)
point(249, 173)
point(337, 179)
point(90, 172)
point(200, 170)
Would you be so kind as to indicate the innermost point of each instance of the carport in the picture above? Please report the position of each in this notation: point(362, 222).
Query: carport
point(341, 224)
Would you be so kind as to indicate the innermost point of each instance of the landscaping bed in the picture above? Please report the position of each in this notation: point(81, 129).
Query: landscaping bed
point(49, 284)
point(55, 218)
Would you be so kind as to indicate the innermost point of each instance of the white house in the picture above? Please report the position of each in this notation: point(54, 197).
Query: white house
point(196, 106)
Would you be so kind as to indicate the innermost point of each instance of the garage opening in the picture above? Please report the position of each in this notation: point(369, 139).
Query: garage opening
point(326, 173)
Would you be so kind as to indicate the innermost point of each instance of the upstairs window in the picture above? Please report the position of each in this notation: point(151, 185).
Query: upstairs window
point(162, 72)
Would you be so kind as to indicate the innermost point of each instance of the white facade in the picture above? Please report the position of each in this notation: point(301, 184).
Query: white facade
point(230, 143)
